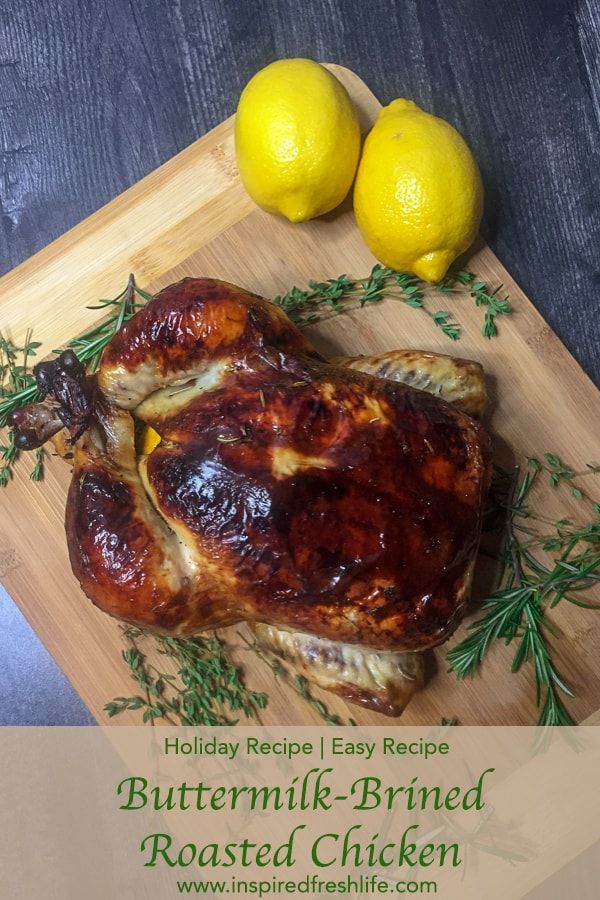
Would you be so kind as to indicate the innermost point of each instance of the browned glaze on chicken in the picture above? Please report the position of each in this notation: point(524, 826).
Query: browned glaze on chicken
point(383, 680)
point(286, 490)
point(330, 506)
point(459, 381)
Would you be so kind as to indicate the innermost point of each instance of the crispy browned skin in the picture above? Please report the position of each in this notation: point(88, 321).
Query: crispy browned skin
point(286, 490)
point(459, 381)
point(383, 680)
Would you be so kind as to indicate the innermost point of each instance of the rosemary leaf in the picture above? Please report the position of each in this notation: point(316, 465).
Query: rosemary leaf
point(517, 613)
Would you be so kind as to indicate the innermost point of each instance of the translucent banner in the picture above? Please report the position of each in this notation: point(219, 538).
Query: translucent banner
point(267, 812)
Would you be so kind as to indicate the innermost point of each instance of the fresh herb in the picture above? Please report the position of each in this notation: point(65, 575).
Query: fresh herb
point(450, 330)
point(9, 454)
point(17, 384)
point(18, 387)
point(302, 688)
point(517, 613)
point(558, 470)
point(16, 380)
point(37, 473)
point(208, 688)
point(337, 294)
point(90, 346)
point(494, 305)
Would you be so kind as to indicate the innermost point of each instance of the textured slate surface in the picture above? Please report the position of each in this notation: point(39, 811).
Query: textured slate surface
point(33, 690)
point(93, 95)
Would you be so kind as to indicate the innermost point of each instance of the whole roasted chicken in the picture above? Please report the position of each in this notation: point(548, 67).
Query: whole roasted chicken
point(334, 505)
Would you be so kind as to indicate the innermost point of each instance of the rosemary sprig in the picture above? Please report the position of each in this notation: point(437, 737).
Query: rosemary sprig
point(207, 690)
point(517, 613)
point(17, 384)
point(90, 346)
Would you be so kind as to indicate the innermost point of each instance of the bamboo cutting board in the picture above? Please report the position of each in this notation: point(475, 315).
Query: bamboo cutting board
point(192, 217)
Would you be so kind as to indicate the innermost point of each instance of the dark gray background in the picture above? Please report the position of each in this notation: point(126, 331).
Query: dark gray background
point(93, 95)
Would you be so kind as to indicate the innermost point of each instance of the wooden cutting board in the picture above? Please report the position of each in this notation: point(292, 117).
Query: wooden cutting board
point(192, 217)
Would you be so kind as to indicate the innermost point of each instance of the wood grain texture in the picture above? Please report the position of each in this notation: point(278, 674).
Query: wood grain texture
point(94, 95)
point(540, 397)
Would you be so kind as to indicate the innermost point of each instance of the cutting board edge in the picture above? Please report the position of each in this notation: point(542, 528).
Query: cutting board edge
point(71, 237)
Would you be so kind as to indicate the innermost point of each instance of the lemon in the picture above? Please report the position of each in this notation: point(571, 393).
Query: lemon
point(149, 440)
point(418, 196)
point(297, 139)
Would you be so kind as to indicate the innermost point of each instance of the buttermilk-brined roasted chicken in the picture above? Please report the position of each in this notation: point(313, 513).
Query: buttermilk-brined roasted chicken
point(334, 505)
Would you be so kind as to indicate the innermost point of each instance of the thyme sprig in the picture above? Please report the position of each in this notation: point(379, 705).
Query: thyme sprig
point(341, 293)
point(530, 586)
point(208, 688)
point(494, 305)
point(559, 472)
point(16, 380)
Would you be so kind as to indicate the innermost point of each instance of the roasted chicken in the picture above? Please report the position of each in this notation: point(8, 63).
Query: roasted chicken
point(335, 506)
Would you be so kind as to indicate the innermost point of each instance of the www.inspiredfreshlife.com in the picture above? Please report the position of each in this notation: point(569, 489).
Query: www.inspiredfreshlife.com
point(310, 886)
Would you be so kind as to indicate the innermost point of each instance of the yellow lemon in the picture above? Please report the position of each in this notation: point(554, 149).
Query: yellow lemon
point(418, 196)
point(297, 139)
point(150, 439)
